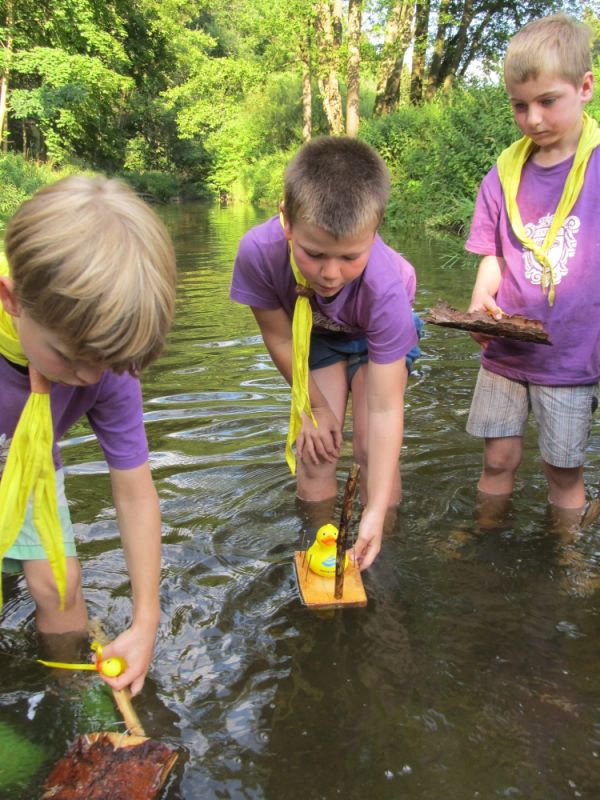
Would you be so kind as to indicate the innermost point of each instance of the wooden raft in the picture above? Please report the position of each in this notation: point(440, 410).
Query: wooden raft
point(317, 591)
point(510, 326)
point(111, 766)
point(345, 588)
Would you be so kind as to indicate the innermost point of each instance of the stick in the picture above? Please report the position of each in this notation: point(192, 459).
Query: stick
point(591, 512)
point(123, 700)
point(122, 697)
point(345, 518)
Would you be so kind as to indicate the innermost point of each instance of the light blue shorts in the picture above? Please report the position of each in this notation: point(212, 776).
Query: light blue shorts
point(563, 414)
point(27, 545)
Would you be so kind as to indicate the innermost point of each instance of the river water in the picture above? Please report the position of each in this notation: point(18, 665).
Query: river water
point(473, 670)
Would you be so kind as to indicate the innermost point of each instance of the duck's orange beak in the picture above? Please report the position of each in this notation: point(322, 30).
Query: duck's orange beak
point(329, 540)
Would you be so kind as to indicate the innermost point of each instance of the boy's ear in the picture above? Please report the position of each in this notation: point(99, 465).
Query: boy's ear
point(7, 297)
point(287, 228)
point(587, 87)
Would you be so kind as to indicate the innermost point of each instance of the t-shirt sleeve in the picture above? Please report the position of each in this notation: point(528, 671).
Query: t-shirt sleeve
point(117, 420)
point(251, 283)
point(484, 236)
point(391, 333)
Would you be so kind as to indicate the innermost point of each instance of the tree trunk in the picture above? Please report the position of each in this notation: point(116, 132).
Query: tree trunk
point(397, 36)
point(353, 90)
point(306, 101)
point(328, 31)
point(8, 49)
point(438, 48)
point(454, 51)
point(417, 78)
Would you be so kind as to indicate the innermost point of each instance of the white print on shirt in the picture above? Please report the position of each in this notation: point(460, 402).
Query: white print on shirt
point(561, 250)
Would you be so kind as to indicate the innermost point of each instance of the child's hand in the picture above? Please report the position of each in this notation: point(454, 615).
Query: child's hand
point(368, 543)
point(136, 646)
point(321, 444)
point(488, 304)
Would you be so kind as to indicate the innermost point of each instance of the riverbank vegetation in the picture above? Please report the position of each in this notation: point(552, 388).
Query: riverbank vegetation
point(208, 99)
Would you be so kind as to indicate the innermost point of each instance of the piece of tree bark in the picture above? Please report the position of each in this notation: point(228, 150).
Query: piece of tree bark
point(510, 326)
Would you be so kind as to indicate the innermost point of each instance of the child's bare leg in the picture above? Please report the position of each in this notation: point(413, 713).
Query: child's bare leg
point(566, 488)
point(360, 436)
point(491, 510)
point(501, 459)
point(318, 482)
point(49, 617)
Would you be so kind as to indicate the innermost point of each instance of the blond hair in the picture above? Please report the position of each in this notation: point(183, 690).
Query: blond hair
point(94, 264)
point(339, 184)
point(557, 45)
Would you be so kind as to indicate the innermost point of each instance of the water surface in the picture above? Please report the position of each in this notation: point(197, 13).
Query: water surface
point(472, 672)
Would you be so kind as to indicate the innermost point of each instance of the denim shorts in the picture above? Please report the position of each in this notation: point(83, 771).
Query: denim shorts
point(27, 545)
point(563, 414)
point(329, 348)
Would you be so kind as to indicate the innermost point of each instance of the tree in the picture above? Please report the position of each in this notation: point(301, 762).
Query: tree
point(397, 38)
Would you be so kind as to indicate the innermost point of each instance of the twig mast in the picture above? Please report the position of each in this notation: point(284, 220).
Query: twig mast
point(344, 525)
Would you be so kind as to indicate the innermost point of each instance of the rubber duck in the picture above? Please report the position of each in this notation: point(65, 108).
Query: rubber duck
point(321, 554)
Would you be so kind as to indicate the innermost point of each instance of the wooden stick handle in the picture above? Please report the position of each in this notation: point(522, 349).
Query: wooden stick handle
point(123, 701)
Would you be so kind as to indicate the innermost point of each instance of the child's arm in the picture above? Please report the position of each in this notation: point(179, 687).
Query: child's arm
point(385, 406)
point(486, 286)
point(317, 444)
point(138, 514)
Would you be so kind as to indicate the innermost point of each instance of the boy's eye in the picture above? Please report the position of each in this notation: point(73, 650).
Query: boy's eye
point(519, 106)
point(547, 101)
point(310, 254)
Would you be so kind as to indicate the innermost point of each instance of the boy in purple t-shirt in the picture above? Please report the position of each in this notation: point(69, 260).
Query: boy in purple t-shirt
point(86, 300)
point(536, 225)
point(333, 304)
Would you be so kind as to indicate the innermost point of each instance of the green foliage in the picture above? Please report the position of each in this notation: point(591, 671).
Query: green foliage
point(439, 152)
point(21, 759)
point(20, 178)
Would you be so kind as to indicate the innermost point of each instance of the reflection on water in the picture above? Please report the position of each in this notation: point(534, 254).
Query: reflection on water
point(472, 672)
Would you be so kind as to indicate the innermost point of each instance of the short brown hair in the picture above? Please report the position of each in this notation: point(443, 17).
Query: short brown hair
point(338, 183)
point(557, 45)
point(93, 263)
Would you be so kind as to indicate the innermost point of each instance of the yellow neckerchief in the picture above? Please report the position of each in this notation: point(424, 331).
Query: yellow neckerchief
point(510, 166)
point(29, 470)
point(301, 328)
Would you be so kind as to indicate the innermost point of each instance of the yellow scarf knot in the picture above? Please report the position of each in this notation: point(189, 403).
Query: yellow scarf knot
point(510, 166)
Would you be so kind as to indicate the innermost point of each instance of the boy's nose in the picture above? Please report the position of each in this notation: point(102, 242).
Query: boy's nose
point(330, 268)
point(534, 116)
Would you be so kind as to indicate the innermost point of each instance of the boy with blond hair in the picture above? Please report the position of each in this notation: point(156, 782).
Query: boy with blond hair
point(87, 298)
point(536, 226)
point(333, 304)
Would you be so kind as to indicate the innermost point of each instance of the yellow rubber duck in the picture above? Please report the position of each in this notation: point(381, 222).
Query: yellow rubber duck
point(320, 555)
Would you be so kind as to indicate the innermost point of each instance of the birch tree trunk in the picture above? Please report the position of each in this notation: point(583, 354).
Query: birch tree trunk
point(306, 100)
point(397, 38)
point(328, 23)
point(355, 8)
point(8, 49)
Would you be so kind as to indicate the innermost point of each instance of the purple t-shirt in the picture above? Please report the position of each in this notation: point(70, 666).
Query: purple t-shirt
point(113, 407)
point(376, 304)
point(573, 322)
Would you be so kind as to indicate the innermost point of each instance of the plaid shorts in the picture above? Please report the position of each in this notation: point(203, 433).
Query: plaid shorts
point(501, 406)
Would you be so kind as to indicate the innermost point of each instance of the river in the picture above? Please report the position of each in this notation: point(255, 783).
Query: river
point(473, 670)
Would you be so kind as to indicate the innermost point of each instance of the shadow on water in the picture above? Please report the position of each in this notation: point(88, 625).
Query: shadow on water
point(472, 672)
